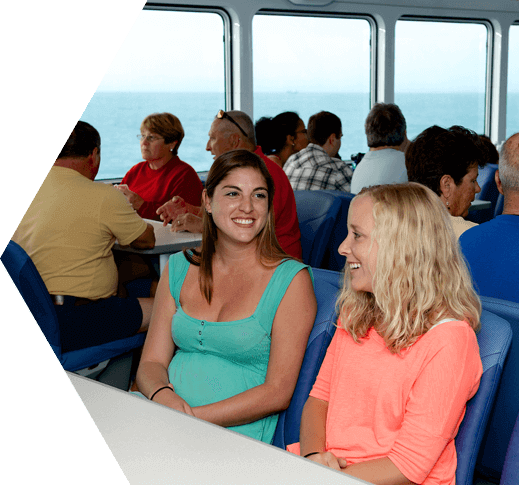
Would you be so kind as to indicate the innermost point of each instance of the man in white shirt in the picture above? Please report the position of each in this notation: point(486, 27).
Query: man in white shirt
point(385, 129)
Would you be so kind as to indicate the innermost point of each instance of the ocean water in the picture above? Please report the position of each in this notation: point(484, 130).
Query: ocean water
point(117, 117)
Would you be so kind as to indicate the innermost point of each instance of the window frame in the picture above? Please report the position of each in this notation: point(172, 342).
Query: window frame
point(490, 52)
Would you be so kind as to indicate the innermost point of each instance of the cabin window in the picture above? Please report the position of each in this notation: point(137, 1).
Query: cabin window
point(512, 102)
point(171, 61)
point(310, 64)
point(440, 74)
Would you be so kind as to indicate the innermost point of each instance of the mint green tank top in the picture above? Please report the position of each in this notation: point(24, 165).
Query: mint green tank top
point(217, 360)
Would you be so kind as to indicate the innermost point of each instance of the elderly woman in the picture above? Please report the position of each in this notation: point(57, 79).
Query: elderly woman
point(162, 175)
point(231, 320)
point(446, 161)
point(281, 136)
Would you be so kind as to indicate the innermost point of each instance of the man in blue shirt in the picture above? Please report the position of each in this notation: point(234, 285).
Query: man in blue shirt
point(492, 248)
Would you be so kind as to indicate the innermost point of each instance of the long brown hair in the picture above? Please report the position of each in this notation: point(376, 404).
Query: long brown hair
point(268, 249)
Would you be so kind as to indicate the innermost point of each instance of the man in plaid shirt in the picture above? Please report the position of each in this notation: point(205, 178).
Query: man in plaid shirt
point(313, 167)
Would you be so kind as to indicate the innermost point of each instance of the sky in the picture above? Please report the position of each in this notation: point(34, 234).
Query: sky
point(285, 47)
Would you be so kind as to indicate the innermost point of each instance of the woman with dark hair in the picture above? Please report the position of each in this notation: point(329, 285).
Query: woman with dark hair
point(162, 175)
point(231, 319)
point(281, 136)
point(446, 161)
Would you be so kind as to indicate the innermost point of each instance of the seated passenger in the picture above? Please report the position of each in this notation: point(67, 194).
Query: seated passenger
point(162, 175)
point(230, 131)
point(314, 167)
point(385, 129)
point(69, 231)
point(447, 162)
point(281, 136)
point(232, 319)
point(491, 248)
point(489, 150)
point(404, 360)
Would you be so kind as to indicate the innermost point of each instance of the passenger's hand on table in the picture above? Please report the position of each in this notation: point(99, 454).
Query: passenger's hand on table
point(187, 222)
point(174, 208)
point(134, 199)
point(173, 400)
point(329, 459)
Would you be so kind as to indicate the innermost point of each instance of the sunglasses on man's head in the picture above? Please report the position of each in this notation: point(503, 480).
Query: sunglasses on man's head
point(223, 115)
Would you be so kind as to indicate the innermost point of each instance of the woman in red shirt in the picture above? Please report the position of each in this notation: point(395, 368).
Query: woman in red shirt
point(162, 175)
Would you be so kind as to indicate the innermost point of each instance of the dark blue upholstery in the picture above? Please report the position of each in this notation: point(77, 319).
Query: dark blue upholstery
point(327, 284)
point(506, 408)
point(332, 259)
point(494, 341)
point(510, 475)
point(499, 205)
point(487, 182)
point(317, 212)
point(33, 290)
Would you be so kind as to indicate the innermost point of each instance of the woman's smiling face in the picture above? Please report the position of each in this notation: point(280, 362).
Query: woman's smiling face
point(359, 248)
point(239, 206)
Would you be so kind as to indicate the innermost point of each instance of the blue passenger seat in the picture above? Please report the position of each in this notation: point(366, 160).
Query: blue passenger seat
point(33, 290)
point(332, 259)
point(499, 205)
point(317, 212)
point(327, 285)
point(494, 341)
point(503, 416)
point(510, 475)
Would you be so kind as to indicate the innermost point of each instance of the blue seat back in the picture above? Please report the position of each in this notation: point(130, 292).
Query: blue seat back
point(510, 475)
point(499, 205)
point(487, 182)
point(33, 290)
point(332, 259)
point(494, 341)
point(327, 285)
point(317, 212)
point(506, 408)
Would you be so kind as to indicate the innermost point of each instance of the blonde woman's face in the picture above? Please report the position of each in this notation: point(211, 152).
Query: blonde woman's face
point(358, 247)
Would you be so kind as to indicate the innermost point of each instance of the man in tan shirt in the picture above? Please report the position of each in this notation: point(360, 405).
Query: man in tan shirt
point(69, 231)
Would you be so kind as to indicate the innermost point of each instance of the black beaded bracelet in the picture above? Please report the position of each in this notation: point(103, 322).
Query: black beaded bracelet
point(158, 390)
point(310, 454)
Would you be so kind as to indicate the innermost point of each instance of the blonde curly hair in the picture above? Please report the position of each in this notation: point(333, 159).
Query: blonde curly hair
point(420, 275)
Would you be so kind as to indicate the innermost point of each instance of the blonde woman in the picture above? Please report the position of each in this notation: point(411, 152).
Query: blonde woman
point(393, 387)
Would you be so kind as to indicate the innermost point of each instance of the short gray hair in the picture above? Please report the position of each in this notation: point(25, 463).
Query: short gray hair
point(509, 164)
point(246, 124)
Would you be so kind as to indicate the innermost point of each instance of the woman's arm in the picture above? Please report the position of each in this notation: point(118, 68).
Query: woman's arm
point(290, 331)
point(159, 349)
point(381, 471)
point(312, 436)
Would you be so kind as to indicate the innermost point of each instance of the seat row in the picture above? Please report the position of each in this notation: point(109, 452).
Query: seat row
point(499, 321)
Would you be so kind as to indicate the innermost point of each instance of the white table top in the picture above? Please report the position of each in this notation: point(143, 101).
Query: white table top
point(157, 445)
point(166, 242)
